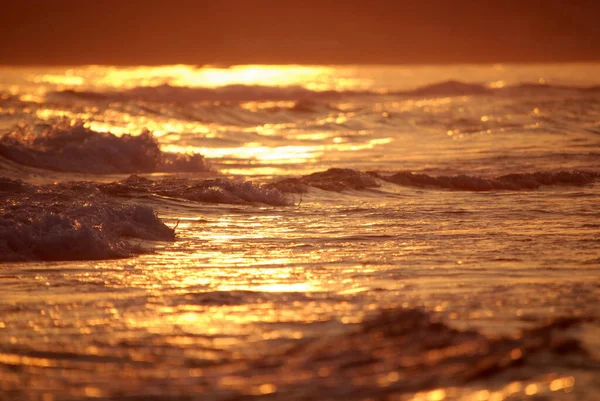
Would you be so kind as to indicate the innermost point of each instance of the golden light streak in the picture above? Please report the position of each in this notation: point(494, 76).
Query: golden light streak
point(211, 77)
point(61, 80)
point(292, 154)
point(14, 359)
point(562, 383)
point(261, 105)
point(275, 287)
point(316, 78)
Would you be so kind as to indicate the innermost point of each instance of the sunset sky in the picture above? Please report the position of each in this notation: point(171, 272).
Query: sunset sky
point(271, 31)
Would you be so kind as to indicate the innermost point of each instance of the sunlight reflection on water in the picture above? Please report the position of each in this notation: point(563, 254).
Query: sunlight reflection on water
point(251, 299)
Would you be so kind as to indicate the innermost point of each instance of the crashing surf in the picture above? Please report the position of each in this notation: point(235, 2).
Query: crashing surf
point(71, 222)
point(75, 148)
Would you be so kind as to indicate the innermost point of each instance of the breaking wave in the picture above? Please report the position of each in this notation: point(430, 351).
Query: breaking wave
point(334, 179)
point(217, 190)
point(83, 221)
point(341, 179)
point(75, 148)
point(71, 222)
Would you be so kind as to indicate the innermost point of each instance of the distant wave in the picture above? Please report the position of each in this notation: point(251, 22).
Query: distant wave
point(511, 182)
point(71, 222)
point(75, 148)
point(338, 179)
point(458, 88)
point(334, 179)
point(235, 93)
point(449, 88)
point(240, 93)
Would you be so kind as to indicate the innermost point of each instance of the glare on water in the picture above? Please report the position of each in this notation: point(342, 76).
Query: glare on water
point(344, 291)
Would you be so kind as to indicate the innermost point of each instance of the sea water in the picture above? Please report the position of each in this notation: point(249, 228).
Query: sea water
point(300, 232)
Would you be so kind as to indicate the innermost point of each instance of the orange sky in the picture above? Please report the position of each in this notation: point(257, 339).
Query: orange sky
point(308, 31)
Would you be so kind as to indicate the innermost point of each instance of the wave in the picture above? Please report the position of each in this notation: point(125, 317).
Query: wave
point(242, 93)
point(392, 354)
point(512, 182)
point(399, 351)
point(217, 190)
point(458, 88)
point(334, 179)
point(234, 93)
point(74, 148)
point(388, 356)
point(71, 222)
point(449, 88)
point(339, 179)
point(83, 220)
point(225, 191)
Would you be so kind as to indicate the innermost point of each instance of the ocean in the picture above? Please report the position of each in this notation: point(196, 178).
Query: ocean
point(300, 232)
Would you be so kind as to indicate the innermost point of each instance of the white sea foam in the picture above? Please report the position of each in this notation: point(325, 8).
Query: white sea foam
point(71, 222)
point(219, 190)
point(75, 148)
point(83, 220)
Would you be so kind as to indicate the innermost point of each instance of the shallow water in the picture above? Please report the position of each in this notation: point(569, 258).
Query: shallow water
point(340, 233)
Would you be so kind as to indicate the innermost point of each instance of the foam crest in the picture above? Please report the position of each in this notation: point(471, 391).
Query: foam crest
point(71, 222)
point(343, 179)
point(75, 148)
point(334, 179)
point(217, 190)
